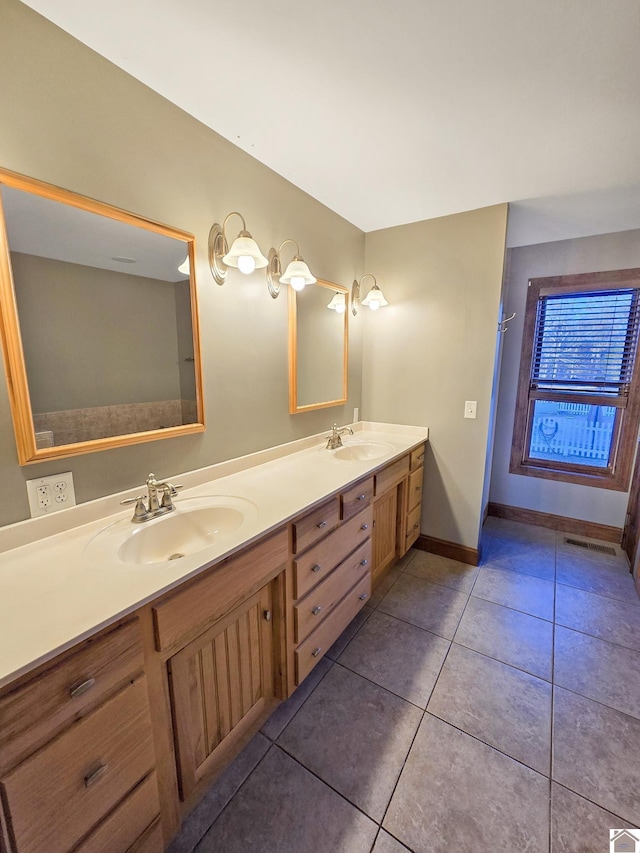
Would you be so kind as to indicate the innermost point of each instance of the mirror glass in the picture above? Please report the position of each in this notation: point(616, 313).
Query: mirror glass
point(318, 347)
point(99, 324)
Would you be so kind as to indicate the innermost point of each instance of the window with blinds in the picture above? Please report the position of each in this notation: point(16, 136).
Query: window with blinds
point(577, 401)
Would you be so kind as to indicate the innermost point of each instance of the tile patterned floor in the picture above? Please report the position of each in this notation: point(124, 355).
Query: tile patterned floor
point(489, 709)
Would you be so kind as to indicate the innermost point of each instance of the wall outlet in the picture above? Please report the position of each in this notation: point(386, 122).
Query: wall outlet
point(356, 415)
point(470, 408)
point(50, 494)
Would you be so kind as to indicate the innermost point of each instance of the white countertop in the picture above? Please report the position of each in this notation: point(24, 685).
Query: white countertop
point(57, 589)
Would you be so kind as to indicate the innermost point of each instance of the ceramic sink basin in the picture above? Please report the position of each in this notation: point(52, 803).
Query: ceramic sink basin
point(194, 525)
point(362, 450)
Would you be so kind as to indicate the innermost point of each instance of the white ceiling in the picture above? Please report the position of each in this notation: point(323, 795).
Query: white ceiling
point(392, 112)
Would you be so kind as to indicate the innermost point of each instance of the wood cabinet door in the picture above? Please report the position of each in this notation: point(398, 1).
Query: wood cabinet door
point(385, 518)
point(221, 683)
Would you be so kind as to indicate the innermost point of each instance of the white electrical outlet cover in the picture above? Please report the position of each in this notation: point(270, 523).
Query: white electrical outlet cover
point(50, 494)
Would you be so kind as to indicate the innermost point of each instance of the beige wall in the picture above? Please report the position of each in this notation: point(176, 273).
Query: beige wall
point(71, 118)
point(434, 347)
point(564, 257)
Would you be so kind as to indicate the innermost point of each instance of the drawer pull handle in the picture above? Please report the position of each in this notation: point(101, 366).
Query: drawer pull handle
point(420, 458)
point(316, 652)
point(316, 610)
point(362, 497)
point(416, 525)
point(363, 597)
point(267, 615)
point(316, 567)
point(81, 688)
point(418, 488)
point(322, 524)
point(363, 562)
point(91, 778)
point(364, 527)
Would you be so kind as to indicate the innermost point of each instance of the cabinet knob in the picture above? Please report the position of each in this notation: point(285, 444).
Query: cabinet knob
point(418, 488)
point(316, 567)
point(81, 688)
point(322, 524)
point(316, 610)
point(362, 497)
point(416, 525)
point(363, 562)
point(91, 778)
point(363, 596)
point(267, 615)
point(316, 652)
point(364, 527)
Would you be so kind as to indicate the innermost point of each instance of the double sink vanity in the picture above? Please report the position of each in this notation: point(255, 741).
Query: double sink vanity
point(136, 659)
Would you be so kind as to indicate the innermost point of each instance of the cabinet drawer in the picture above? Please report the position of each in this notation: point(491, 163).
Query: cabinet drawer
point(413, 527)
point(415, 488)
point(315, 524)
point(58, 794)
point(151, 842)
point(356, 498)
point(391, 475)
point(31, 714)
point(316, 606)
point(128, 822)
point(187, 613)
point(311, 651)
point(319, 561)
point(417, 457)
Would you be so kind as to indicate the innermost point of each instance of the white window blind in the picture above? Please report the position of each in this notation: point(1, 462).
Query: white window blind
point(586, 342)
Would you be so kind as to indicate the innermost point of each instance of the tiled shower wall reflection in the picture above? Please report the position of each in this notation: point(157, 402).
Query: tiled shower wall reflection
point(72, 425)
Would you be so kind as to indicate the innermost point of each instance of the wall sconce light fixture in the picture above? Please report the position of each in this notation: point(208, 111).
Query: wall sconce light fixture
point(244, 253)
point(297, 274)
point(374, 299)
point(338, 303)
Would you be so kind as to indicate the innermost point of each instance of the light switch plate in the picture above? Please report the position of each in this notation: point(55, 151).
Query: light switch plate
point(50, 494)
point(470, 407)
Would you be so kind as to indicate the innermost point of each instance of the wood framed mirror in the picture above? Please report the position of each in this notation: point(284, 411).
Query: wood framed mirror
point(318, 346)
point(99, 323)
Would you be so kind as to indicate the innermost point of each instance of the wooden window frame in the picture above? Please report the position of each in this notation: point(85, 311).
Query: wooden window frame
point(618, 476)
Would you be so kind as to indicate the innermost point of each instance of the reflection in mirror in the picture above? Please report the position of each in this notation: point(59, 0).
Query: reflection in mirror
point(99, 324)
point(318, 348)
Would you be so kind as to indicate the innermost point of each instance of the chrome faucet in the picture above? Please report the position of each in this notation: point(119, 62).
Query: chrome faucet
point(153, 507)
point(334, 440)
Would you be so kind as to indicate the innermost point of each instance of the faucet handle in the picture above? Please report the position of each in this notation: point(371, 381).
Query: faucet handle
point(140, 511)
point(173, 490)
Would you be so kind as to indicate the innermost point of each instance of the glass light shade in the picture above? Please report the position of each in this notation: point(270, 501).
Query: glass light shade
point(184, 266)
point(245, 254)
point(297, 274)
point(338, 303)
point(374, 299)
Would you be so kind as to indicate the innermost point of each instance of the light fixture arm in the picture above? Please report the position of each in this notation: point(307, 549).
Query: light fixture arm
point(274, 267)
point(355, 291)
point(219, 249)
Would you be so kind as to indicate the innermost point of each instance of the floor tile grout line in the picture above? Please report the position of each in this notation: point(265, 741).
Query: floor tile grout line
point(486, 743)
point(439, 583)
point(595, 637)
point(304, 702)
point(550, 621)
point(413, 624)
point(588, 800)
point(382, 687)
point(406, 758)
point(283, 749)
point(237, 790)
point(596, 702)
point(599, 594)
point(506, 663)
